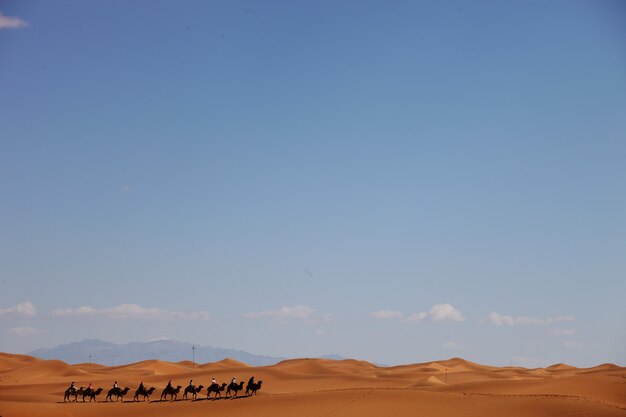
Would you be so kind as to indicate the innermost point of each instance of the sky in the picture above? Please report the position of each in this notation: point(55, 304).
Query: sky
point(396, 181)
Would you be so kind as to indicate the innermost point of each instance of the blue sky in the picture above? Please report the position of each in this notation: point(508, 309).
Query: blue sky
point(396, 182)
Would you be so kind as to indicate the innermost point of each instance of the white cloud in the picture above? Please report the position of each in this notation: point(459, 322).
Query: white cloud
point(439, 312)
point(10, 22)
point(24, 331)
point(130, 311)
point(26, 309)
point(80, 311)
point(417, 316)
point(445, 312)
point(387, 314)
point(563, 332)
point(502, 320)
point(573, 345)
point(300, 312)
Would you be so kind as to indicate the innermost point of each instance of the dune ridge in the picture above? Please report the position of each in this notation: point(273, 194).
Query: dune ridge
point(451, 387)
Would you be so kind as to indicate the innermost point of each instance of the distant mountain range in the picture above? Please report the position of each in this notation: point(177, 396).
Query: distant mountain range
point(111, 354)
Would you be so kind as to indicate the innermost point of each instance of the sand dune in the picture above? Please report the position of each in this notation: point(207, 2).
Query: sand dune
point(44, 370)
point(561, 367)
point(431, 381)
point(153, 367)
point(230, 363)
point(9, 361)
point(317, 387)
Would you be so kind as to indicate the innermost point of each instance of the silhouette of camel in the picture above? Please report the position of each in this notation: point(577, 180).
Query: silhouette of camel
point(74, 392)
point(173, 392)
point(91, 394)
point(119, 393)
point(251, 389)
point(234, 387)
point(193, 390)
point(146, 393)
point(216, 389)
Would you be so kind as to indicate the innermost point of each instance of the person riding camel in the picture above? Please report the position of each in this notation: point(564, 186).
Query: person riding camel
point(251, 381)
point(191, 384)
point(115, 384)
point(169, 385)
point(234, 380)
point(141, 387)
point(72, 387)
point(90, 387)
point(213, 381)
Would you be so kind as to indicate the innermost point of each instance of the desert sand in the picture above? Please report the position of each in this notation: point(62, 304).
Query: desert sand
point(319, 387)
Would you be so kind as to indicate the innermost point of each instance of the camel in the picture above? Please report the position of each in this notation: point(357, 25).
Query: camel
point(193, 390)
point(234, 387)
point(73, 392)
point(119, 393)
point(173, 392)
point(91, 394)
point(251, 389)
point(216, 389)
point(146, 393)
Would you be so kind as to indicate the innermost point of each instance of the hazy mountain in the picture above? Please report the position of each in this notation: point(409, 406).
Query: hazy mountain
point(333, 357)
point(107, 353)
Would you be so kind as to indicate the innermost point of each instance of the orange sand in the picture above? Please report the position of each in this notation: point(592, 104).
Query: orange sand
point(320, 387)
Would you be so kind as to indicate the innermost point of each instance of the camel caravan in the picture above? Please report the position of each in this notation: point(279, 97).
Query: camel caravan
point(170, 392)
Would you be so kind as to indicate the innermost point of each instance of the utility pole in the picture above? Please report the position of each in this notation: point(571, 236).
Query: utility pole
point(193, 350)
